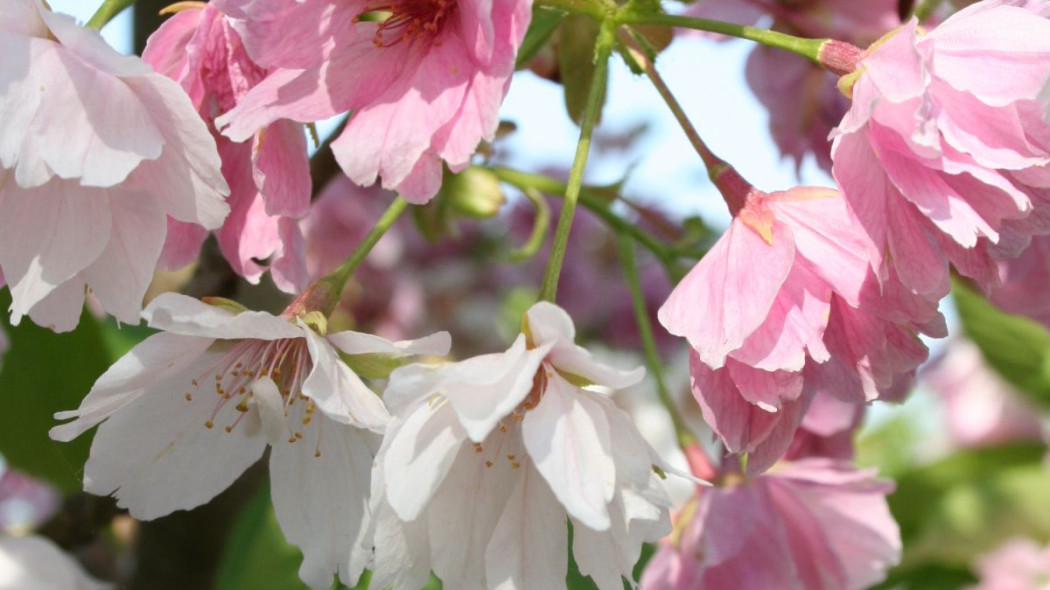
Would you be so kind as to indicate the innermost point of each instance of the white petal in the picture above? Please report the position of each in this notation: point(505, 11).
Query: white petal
point(485, 389)
point(151, 363)
point(322, 502)
point(417, 453)
point(60, 311)
point(156, 455)
point(410, 384)
point(576, 360)
point(121, 274)
point(180, 314)
point(402, 553)
point(338, 391)
point(266, 400)
point(529, 545)
point(48, 235)
point(567, 435)
point(549, 323)
point(36, 563)
point(465, 510)
point(437, 344)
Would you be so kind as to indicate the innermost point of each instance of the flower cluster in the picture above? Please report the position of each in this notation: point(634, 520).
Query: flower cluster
point(500, 470)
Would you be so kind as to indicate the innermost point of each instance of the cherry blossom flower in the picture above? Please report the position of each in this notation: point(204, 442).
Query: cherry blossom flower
point(487, 458)
point(815, 524)
point(36, 563)
point(269, 176)
point(190, 408)
point(25, 502)
point(980, 407)
point(1023, 284)
point(95, 151)
point(1019, 564)
point(424, 86)
point(943, 153)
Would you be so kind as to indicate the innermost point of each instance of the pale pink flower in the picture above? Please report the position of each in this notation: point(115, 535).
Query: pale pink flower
point(1024, 280)
point(25, 502)
point(424, 86)
point(96, 151)
point(944, 151)
point(816, 524)
point(36, 563)
point(1018, 564)
point(190, 408)
point(981, 408)
point(269, 175)
point(486, 459)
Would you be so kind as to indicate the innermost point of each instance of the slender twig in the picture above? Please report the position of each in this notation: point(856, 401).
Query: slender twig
point(106, 12)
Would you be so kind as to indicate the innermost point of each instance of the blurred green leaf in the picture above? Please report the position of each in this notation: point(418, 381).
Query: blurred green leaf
point(541, 29)
point(257, 556)
point(44, 373)
point(966, 505)
point(1016, 347)
point(576, 62)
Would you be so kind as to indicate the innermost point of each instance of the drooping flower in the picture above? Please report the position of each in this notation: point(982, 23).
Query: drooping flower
point(1019, 564)
point(815, 524)
point(943, 153)
point(1023, 284)
point(36, 563)
point(190, 408)
point(269, 175)
point(424, 85)
point(486, 459)
point(96, 151)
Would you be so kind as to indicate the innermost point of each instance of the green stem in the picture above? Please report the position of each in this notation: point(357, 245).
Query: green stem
point(575, 7)
point(603, 49)
point(809, 48)
point(324, 294)
point(645, 330)
point(926, 9)
point(597, 205)
point(106, 12)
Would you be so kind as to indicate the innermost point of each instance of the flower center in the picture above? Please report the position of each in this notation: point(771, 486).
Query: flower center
point(410, 19)
point(233, 376)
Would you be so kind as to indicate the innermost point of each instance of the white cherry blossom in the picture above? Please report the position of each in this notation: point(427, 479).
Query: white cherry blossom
point(185, 412)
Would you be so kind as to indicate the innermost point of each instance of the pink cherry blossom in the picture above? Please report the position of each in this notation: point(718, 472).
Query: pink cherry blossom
point(424, 86)
point(943, 153)
point(981, 408)
point(25, 502)
point(487, 458)
point(1019, 564)
point(36, 563)
point(185, 412)
point(269, 175)
point(816, 524)
point(96, 151)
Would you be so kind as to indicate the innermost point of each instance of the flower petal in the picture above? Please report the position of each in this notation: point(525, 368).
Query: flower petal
point(338, 391)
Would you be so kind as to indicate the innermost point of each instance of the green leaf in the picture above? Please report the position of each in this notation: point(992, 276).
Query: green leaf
point(967, 504)
point(579, 34)
point(1016, 347)
point(541, 29)
point(44, 373)
point(257, 555)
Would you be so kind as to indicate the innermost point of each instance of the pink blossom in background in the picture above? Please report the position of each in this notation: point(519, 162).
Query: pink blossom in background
point(815, 524)
point(96, 151)
point(185, 412)
point(25, 502)
point(425, 85)
point(802, 99)
point(486, 459)
point(269, 174)
point(943, 153)
point(981, 408)
point(1019, 564)
point(1024, 282)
